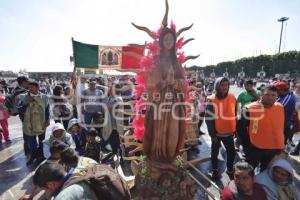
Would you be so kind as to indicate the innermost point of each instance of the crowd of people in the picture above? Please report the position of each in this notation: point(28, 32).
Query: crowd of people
point(88, 124)
point(264, 127)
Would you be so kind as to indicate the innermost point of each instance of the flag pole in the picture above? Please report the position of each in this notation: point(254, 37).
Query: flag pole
point(72, 59)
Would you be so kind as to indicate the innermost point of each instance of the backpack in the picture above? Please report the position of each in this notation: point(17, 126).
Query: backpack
point(10, 103)
point(106, 183)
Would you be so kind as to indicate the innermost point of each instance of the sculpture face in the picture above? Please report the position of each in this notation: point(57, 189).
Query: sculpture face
point(168, 41)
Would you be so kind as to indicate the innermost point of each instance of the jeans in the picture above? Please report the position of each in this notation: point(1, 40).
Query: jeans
point(35, 147)
point(88, 117)
point(229, 146)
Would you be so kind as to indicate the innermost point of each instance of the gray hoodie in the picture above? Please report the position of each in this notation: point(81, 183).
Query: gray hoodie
point(272, 188)
point(209, 114)
point(217, 87)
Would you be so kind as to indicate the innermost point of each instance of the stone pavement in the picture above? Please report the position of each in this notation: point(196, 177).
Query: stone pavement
point(15, 177)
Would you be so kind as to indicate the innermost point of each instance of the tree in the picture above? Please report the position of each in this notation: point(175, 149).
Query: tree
point(273, 64)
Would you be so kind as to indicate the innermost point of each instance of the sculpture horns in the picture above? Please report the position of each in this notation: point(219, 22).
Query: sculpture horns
point(184, 29)
point(143, 28)
point(165, 19)
point(187, 41)
point(191, 58)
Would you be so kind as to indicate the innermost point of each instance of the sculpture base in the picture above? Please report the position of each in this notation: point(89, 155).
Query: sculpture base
point(185, 189)
point(164, 181)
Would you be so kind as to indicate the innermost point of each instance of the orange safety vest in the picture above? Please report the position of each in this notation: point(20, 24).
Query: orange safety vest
point(266, 128)
point(225, 113)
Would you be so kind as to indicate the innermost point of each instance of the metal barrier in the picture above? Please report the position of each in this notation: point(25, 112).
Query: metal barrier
point(202, 186)
point(191, 164)
point(204, 176)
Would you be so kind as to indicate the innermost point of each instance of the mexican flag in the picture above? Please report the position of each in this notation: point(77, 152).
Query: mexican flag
point(106, 57)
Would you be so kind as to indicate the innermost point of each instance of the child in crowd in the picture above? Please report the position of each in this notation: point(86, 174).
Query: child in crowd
point(92, 146)
point(4, 123)
point(55, 151)
point(59, 133)
point(70, 159)
point(78, 135)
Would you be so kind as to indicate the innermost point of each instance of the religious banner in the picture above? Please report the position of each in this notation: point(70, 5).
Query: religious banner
point(110, 57)
point(124, 58)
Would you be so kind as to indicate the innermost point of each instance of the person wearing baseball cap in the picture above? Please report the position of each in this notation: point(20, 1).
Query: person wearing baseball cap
point(288, 100)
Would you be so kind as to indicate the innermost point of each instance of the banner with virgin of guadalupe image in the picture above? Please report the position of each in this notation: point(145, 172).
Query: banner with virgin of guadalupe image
point(106, 57)
point(110, 57)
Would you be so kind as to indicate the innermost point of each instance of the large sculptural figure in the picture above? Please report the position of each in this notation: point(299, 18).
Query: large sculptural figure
point(165, 126)
point(162, 79)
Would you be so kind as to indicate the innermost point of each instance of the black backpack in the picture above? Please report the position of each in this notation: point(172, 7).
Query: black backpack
point(106, 183)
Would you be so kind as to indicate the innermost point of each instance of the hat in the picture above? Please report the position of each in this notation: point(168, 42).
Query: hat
point(72, 122)
point(280, 85)
point(58, 126)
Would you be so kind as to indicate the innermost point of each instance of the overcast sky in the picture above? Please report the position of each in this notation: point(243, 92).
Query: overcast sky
point(36, 34)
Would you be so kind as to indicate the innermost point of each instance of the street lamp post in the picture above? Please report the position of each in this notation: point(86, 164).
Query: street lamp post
point(241, 74)
point(262, 73)
point(213, 75)
point(202, 74)
point(282, 20)
point(226, 73)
